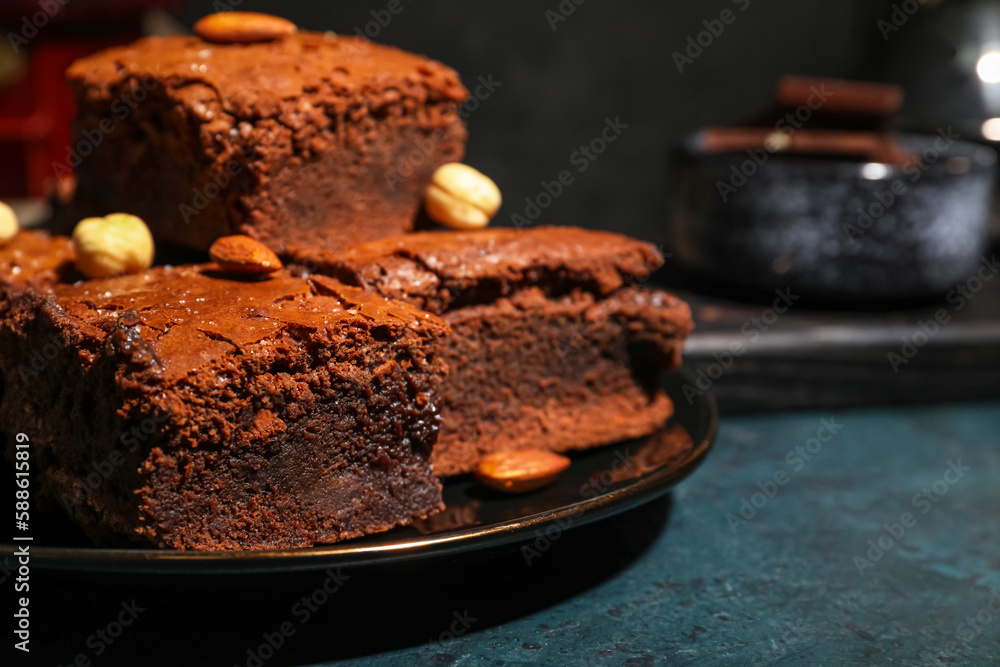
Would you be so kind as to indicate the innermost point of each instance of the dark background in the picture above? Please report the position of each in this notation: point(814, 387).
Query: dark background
point(606, 59)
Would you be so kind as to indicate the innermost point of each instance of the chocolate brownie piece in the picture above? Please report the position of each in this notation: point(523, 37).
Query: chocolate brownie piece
point(310, 138)
point(36, 259)
point(39, 261)
point(192, 410)
point(555, 344)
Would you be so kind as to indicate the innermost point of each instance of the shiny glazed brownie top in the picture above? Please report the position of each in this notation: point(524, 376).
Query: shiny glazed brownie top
point(253, 79)
point(441, 270)
point(173, 321)
point(36, 259)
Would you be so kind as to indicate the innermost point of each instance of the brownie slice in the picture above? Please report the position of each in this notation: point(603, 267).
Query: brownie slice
point(192, 410)
point(555, 343)
point(36, 259)
point(309, 138)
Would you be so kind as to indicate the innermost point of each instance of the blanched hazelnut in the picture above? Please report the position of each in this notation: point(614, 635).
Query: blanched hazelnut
point(113, 245)
point(461, 197)
point(9, 226)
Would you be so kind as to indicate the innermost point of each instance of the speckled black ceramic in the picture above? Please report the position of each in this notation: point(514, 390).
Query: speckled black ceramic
point(836, 228)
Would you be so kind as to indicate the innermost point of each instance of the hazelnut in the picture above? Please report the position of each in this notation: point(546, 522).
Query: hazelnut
point(461, 197)
point(113, 245)
point(8, 224)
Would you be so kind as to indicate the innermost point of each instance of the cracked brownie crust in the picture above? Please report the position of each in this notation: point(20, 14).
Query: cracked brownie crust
point(312, 138)
point(556, 344)
point(191, 410)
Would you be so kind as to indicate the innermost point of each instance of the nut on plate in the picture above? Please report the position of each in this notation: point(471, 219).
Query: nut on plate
point(243, 27)
point(8, 224)
point(113, 245)
point(461, 197)
point(242, 254)
point(520, 470)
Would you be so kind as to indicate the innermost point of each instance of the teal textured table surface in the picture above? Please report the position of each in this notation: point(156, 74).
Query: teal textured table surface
point(852, 537)
point(865, 536)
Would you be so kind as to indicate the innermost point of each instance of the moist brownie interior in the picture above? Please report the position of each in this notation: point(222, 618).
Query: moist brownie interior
point(306, 139)
point(193, 410)
point(556, 344)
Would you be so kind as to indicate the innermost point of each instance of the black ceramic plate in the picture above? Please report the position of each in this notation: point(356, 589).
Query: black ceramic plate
point(599, 483)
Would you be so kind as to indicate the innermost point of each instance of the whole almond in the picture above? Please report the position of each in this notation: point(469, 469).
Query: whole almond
point(521, 470)
point(243, 27)
point(242, 254)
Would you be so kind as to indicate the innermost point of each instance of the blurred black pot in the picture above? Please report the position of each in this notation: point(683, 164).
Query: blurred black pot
point(834, 228)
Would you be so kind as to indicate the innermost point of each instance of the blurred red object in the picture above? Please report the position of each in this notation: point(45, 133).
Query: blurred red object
point(40, 39)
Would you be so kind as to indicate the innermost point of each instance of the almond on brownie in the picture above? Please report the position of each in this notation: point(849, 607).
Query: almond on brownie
point(303, 138)
point(192, 409)
point(555, 343)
